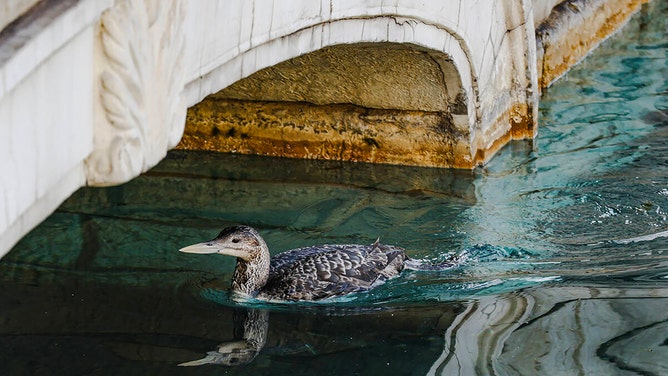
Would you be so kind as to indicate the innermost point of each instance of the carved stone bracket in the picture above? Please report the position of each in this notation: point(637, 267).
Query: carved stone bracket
point(140, 112)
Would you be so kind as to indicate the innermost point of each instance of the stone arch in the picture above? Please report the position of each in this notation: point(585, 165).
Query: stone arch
point(292, 62)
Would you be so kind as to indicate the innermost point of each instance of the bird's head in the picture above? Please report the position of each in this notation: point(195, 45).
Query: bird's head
point(243, 242)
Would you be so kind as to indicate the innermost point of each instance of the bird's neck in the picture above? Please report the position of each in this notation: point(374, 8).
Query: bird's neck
point(251, 275)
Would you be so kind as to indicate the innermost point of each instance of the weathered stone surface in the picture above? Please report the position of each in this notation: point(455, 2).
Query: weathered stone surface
point(573, 29)
point(379, 75)
point(378, 103)
point(333, 132)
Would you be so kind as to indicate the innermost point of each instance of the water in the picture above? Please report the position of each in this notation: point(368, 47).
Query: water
point(564, 238)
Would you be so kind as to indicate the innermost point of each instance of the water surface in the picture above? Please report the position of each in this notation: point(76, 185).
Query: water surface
point(564, 238)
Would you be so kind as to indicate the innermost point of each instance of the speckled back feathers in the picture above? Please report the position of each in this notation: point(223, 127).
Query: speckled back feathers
point(323, 271)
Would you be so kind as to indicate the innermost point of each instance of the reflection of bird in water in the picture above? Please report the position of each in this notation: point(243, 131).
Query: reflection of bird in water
point(250, 334)
point(309, 273)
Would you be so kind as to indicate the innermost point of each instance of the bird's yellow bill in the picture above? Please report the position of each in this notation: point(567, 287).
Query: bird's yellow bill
point(200, 248)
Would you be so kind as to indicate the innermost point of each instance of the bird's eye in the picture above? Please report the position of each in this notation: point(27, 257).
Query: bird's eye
point(235, 240)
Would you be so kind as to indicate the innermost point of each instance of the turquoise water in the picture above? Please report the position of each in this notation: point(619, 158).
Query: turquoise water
point(564, 241)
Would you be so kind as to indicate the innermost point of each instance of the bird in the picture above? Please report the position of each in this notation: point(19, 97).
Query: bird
point(305, 274)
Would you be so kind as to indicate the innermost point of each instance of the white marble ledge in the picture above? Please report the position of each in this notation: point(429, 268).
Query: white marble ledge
point(41, 32)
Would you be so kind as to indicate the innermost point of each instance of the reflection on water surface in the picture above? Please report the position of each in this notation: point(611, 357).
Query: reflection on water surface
point(566, 269)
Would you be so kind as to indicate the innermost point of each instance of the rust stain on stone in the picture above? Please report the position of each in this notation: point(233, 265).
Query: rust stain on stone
point(343, 132)
point(522, 127)
point(333, 132)
point(573, 29)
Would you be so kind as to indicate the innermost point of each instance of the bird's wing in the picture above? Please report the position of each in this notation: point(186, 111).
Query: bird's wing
point(330, 270)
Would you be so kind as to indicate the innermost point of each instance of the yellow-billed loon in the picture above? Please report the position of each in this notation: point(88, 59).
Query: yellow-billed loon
point(308, 273)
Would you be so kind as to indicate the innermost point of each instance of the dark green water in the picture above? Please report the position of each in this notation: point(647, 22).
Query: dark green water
point(565, 240)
